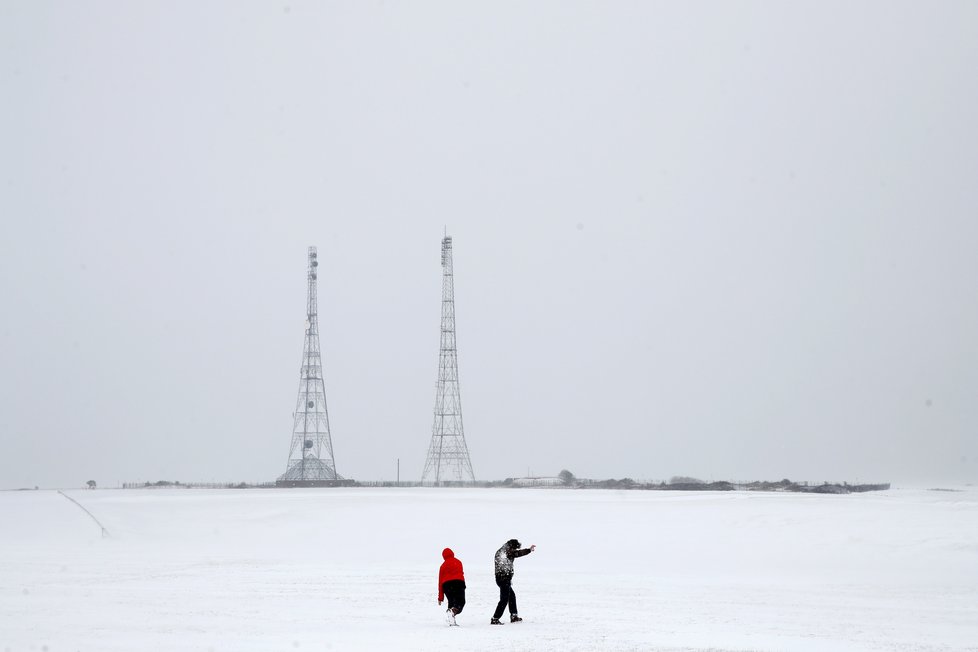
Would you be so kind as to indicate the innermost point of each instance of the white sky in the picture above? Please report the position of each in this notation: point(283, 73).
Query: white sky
point(728, 240)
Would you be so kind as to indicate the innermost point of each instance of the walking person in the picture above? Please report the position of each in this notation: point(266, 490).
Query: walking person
point(504, 579)
point(451, 585)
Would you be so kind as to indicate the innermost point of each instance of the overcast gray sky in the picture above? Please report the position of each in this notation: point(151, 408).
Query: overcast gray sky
point(733, 240)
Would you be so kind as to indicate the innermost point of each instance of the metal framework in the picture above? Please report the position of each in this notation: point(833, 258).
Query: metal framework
point(448, 456)
point(311, 454)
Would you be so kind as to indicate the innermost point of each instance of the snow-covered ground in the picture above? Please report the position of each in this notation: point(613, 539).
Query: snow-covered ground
point(355, 569)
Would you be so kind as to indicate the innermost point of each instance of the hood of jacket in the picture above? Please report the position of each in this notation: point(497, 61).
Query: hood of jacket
point(447, 554)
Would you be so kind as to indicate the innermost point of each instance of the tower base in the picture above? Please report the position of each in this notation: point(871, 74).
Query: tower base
point(315, 483)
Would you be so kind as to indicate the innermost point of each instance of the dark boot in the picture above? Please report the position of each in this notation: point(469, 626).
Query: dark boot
point(513, 618)
point(495, 621)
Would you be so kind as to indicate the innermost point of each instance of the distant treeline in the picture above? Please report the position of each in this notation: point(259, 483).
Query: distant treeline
point(783, 485)
point(164, 484)
point(567, 480)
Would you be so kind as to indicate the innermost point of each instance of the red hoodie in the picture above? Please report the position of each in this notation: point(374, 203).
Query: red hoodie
point(451, 569)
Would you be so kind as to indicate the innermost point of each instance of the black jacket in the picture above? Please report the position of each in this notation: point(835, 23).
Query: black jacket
point(504, 560)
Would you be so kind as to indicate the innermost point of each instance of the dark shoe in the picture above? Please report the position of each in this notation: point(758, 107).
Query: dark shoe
point(513, 618)
point(495, 621)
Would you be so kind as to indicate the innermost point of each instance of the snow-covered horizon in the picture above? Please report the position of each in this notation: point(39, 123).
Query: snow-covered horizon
point(356, 568)
point(367, 483)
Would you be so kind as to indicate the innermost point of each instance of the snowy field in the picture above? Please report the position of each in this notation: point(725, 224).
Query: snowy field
point(356, 569)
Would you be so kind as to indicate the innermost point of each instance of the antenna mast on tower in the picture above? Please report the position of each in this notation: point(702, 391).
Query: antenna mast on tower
point(448, 456)
point(311, 454)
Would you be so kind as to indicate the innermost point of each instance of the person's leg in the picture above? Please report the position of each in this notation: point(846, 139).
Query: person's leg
point(449, 593)
point(460, 598)
point(512, 601)
point(504, 590)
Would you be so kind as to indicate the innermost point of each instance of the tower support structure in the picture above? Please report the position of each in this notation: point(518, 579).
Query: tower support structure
point(311, 462)
point(448, 455)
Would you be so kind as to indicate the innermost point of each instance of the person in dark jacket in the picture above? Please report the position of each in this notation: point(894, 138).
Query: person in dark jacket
point(451, 585)
point(504, 579)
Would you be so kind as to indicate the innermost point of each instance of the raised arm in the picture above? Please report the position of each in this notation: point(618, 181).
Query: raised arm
point(523, 552)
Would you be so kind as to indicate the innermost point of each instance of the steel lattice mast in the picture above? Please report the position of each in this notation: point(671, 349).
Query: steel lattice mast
point(448, 456)
point(311, 454)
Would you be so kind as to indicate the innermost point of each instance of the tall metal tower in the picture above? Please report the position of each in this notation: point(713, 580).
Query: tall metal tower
point(311, 454)
point(448, 456)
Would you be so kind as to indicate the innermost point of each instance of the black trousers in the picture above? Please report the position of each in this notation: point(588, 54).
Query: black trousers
point(507, 596)
point(454, 591)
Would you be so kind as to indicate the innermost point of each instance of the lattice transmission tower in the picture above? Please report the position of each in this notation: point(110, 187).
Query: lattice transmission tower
point(448, 456)
point(311, 453)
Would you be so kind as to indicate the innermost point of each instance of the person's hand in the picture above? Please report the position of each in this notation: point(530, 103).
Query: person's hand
point(439, 603)
point(533, 547)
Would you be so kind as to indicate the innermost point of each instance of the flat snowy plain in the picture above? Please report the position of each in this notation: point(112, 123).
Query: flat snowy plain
point(356, 569)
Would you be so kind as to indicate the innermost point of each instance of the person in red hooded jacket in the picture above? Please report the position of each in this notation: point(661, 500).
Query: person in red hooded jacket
point(451, 585)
